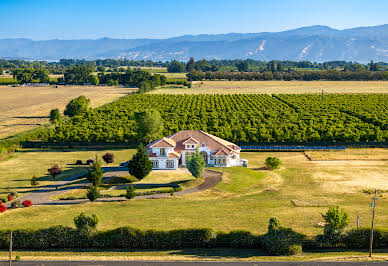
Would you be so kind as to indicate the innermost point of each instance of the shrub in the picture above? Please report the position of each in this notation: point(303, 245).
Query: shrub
point(16, 204)
point(27, 203)
point(9, 197)
point(273, 162)
point(2, 208)
point(34, 181)
point(3, 200)
point(89, 161)
point(54, 171)
point(360, 238)
point(93, 193)
point(14, 194)
point(237, 239)
point(86, 223)
point(55, 116)
point(282, 241)
point(130, 192)
point(108, 158)
point(336, 220)
point(78, 162)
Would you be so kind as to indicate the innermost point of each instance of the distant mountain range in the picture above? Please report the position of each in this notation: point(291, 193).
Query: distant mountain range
point(314, 43)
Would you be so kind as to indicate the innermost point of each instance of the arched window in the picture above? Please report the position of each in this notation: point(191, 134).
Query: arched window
point(156, 164)
point(170, 164)
point(204, 156)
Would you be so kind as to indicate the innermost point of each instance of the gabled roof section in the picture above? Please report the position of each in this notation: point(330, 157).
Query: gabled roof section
point(190, 141)
point(162, 143)
point(222, 152)
point(174, 155)
point(212, 142)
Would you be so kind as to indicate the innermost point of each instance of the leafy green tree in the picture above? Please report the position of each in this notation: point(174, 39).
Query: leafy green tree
point(77, 106)
point(196, 164)
point(273, 162)
point(1, 70)
point(55, 116)
point(95, 173)
point(190, 65)
point(94, 80)
point(336, 220)
point(86, 223)
point(176, 67)
point(93, 193)
point(242, 66)
point(130, 193)
point(78, 74)
point(140, 165)
point(149, 125)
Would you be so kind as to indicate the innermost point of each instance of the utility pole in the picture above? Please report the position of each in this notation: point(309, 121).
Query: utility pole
point(10, 248)
point(371, 231)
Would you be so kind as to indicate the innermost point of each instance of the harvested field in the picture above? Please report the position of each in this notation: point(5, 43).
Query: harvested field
point(368, 154)
point(23, 108)
point(278, 87)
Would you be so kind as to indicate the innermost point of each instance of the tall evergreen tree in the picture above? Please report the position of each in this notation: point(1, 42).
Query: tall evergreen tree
point(140, 165)
point(196, 164)
point(95, 173)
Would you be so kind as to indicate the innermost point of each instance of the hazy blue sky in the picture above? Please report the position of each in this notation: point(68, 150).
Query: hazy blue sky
point(80, 19)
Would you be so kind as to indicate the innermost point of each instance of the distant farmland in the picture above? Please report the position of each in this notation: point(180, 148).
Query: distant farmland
point(278, 87)
point(23, 108)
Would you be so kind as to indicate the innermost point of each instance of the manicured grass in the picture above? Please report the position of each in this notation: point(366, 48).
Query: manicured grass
point(16, 172)
point(245, 200)
point(278, 87)
point(239, 179)
point(224, 254)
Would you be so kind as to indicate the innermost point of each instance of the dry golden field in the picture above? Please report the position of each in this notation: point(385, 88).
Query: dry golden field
point(279, 87)
point(23, 108)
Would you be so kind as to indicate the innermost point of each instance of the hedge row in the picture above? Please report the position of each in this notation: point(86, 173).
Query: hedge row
point(282, 241)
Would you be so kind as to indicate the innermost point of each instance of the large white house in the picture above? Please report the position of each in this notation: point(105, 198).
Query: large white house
point(172, 151)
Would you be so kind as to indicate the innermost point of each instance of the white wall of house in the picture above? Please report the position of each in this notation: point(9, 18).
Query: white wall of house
point(201, 148)
point(157, 150)
point(164, 163)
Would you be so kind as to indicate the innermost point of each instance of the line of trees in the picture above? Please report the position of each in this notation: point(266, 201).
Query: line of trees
point(333, 75)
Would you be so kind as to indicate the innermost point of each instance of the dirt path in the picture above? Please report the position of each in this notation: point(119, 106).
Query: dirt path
point(42, 196)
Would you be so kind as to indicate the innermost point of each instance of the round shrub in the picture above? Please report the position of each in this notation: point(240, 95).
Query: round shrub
point(78, 162)
point(3, 200)
point(2, 208)
point(27, 203)
point(10, 197)
point(273, 162)
point(89, 161)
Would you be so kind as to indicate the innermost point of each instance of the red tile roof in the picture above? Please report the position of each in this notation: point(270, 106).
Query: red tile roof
point(212, 142)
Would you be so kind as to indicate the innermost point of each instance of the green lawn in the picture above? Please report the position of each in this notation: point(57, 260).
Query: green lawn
point(17, 170)
point(239, 179)
point(297, 194)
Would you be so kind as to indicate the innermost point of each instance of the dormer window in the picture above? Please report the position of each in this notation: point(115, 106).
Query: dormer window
point(203, 145)
point(190, 146)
